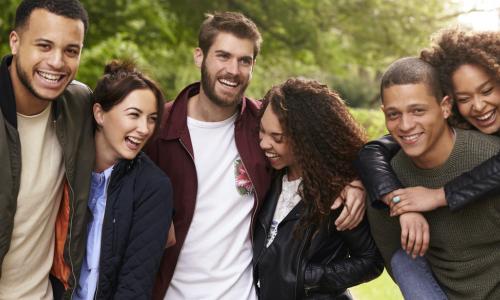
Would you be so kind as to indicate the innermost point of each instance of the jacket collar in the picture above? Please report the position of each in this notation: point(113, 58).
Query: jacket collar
point(177, 120)
point(7, 97)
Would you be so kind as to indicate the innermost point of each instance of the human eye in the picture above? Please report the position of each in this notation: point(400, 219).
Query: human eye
point(73, 52)
point(133, 115)
point(462, 100)
point(487, 91)
point(246, 61)
point(223, 56)
point(418, 111)
point(392, 115)
point(43, 46)
point(152, 119)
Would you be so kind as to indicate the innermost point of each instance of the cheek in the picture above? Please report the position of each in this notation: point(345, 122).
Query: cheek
point(464, 109)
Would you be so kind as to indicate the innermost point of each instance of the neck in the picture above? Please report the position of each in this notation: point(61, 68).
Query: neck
point(103, 158)
point(203, 109)
point(439, 152)
point(26, 103)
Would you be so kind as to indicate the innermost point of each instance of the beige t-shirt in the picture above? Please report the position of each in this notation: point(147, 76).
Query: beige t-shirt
point(27, 264)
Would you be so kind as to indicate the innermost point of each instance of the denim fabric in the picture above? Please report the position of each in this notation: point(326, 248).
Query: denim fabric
point(414, 277)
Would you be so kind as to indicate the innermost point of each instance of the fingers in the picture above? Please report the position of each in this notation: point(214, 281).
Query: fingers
point(337, 203)
point(425, 239)
point(342, 219)
point(404, 236)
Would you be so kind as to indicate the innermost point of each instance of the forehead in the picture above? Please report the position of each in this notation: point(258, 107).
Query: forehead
point(270, 121)
point(230, 43)
point(469, 74)
point(46, 25)
point(404, 95)
point(143, 99)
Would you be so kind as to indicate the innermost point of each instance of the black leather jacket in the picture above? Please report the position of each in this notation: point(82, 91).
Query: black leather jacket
point(374, 168)
point(320, 265)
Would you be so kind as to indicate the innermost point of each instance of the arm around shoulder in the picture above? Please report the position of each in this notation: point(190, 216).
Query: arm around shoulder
point(374, 168)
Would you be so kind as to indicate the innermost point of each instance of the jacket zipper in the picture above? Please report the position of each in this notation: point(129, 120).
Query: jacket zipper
point(71, 210)
point(300, 271)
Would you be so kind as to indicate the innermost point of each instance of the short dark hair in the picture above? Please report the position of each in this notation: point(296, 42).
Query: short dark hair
point(119, 80)
point(71, 9)
point(230, 22)
point(411, 70)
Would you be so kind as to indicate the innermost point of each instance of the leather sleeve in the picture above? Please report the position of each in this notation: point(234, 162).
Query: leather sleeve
point(474, 184)
point(374, 169)
point(363, 264)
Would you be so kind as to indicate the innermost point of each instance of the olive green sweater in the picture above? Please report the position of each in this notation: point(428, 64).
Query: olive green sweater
point(464, 250)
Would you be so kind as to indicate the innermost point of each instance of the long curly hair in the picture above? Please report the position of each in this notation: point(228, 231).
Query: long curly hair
point(454, 47)
point(324, 138)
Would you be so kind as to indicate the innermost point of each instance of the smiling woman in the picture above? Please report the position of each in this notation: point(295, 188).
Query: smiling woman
point(130, 198)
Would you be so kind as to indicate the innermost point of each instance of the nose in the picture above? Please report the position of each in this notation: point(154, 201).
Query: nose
point(144, 127)
point(406, 123)
point(232, 66)
point(264, 143)
point(56, 60)
point(478, 104)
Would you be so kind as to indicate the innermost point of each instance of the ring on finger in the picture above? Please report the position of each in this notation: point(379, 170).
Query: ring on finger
point(396, 199)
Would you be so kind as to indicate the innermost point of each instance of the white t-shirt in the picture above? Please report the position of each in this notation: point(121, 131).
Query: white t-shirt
point(216, 259)
point(26, 266)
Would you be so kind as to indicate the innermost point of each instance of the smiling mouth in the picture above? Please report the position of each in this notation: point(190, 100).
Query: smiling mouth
point(486, 118)
point(271, 155)
point(410, 138)
point(50, 77)
point(229, 83)
point(134, 141)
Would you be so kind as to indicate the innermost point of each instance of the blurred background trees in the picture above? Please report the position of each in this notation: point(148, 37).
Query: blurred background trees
point(344, 43)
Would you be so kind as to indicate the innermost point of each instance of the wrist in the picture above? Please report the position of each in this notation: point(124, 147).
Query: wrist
point(441, 197)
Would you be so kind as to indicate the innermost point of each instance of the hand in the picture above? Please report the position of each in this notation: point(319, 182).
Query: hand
point(171, 236)
point(353, 196)
point(414, 233)
point(416, 199)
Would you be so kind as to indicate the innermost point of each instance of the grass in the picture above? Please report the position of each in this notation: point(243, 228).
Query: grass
point(381, 288)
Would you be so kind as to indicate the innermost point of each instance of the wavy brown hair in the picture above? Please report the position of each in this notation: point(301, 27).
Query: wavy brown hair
point(454, 47)
point(324, 138)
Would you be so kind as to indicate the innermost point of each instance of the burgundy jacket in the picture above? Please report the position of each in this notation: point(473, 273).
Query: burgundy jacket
point(173, 153)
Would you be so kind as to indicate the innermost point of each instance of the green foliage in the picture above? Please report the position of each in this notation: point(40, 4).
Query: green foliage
point(372, 120)
point(344, 43)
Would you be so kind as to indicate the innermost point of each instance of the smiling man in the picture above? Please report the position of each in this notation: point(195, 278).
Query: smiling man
point(209, 147)
point(463, 252)
point(46, 150)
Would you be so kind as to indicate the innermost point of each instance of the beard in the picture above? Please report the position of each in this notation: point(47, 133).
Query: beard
point(208, 84)
point(23, 77)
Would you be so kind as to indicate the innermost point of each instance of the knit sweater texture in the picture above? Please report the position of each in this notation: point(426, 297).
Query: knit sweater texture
point(464, 251)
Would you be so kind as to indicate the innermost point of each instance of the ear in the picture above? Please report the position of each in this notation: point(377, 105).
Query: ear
point(382, 107)
point(14, 41)
point(446, 106)
point(98, 114)
point(198, 57)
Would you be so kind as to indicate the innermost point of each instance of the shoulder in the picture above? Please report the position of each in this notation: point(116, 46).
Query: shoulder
point(77, 95)
point(149, 174)
point(477, 143)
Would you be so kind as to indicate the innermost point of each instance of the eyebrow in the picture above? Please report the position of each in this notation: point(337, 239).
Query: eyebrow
point(133, 108)
point(480, 87)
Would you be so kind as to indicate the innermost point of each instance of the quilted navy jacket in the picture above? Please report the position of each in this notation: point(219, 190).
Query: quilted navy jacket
point(135, 229)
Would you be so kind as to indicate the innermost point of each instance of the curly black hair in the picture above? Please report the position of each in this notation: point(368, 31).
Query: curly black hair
point(324, 138)
point(454, 47)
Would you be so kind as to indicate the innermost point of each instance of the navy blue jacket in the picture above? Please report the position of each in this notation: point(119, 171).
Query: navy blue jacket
point(135, 229)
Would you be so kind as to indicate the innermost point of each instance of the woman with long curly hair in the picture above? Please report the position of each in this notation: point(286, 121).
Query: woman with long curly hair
point(311, 140)
point(468, 64)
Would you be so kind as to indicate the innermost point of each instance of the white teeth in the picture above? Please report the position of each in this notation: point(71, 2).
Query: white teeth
point(227, 82)
point(486, 116)
point(271, 155)
point(410, 137)
point(48, 76)
point(134, 140)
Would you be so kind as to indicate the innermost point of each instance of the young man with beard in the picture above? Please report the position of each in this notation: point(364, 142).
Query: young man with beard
point(463, 250)
point(46, 150)
point(209, 147)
